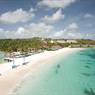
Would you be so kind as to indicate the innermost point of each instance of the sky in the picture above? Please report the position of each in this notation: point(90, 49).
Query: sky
point(69, 19)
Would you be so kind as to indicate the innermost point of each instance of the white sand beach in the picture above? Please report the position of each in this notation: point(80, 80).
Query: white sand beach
point(11, 77)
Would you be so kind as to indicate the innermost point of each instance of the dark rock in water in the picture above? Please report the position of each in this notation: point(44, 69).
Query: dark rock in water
point(86, 74)
point(91, 56)
point(89, 60)
point(58, 66)
point(89, 92)
point(88, 63)
point(87, 66)
point(56, 71)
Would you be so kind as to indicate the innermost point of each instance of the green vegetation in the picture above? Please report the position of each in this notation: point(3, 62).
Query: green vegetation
point(87, 41)
point(11, 45)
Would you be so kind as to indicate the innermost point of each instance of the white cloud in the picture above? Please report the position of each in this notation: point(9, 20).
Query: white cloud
point(88, 15)
point(5, 34)
point(45, 30)
point(20, 30)
point(59, 34)
point(18, 15)
point(40, 27)
point(68, 34)
point(71, 32)
point(56, 3)
point(2, 35)
point(73, 25)
point(54, 18)
point(32, 10)
point(31, 30)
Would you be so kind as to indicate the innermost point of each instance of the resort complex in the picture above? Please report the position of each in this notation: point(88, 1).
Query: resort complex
point(37, 44)
point(21, 48)
point(19, 51)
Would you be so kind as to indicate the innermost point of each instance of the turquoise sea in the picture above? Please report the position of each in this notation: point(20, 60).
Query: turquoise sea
point(70, 75)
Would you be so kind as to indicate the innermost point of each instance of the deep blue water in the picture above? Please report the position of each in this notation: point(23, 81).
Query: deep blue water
point(70, 75)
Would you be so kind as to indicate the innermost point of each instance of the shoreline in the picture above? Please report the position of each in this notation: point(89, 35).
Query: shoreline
point(11, 79)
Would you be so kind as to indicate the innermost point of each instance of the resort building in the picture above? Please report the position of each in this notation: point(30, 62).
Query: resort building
point(71, 41)
point(61, 41)
point(66, 41)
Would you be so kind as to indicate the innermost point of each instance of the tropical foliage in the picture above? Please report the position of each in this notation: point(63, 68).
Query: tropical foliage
point(10, 45)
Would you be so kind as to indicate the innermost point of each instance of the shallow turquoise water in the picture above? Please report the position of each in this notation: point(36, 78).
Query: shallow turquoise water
point(70, 75)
